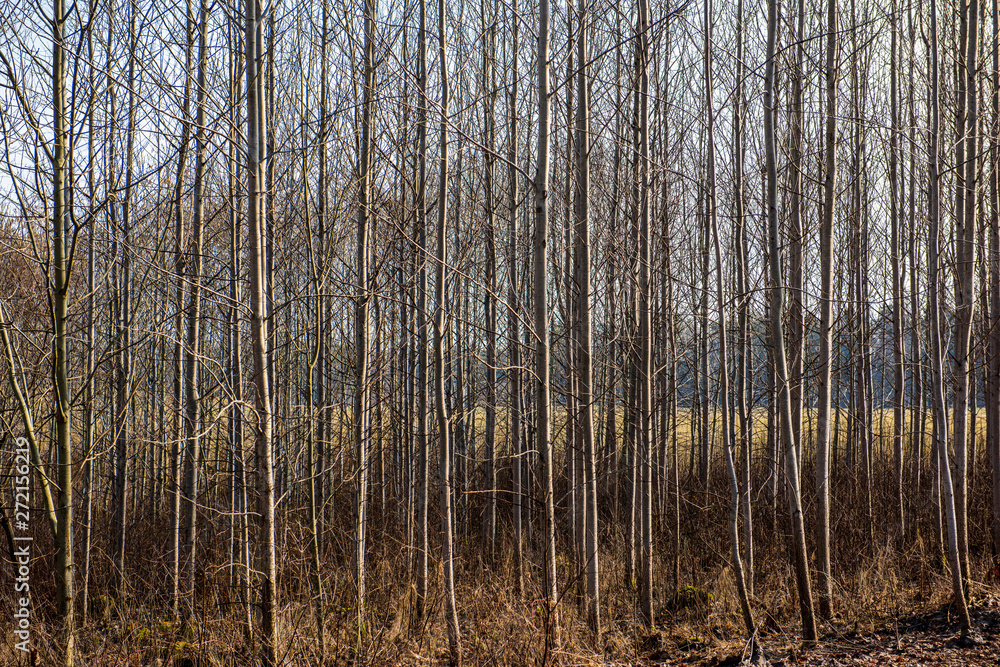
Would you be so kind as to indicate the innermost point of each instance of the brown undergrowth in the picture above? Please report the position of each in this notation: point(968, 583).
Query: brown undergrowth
point(895, 590)
point(891, 590)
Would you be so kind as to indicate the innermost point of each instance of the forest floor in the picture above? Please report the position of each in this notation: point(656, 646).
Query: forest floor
point(929, 637)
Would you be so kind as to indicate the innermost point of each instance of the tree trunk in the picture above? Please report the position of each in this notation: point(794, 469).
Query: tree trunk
point(192, 350)
point(800, 558)
point(583, 337)
point(514, 314)
point(61, 220)
point(423, 448)
point(444, 466)
point(937, 370)
point(361, 305)
point(490, 301)
point(825, 580)
point(256, 220)
point(993, 343)
point(543, 441)
point(965, 242)
point(643, 441)
point(180, 268)
point(734, 515)
point(899, 371)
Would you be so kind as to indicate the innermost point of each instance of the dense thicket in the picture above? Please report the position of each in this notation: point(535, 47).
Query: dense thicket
point(408, 319)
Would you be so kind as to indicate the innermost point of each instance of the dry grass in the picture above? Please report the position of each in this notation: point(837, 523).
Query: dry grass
point(877, 582)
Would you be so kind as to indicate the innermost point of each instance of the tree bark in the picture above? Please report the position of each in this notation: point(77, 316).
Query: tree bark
point(543, 440)
point(937, 370)
point(724, 430)
point(965, 242)
point(444, 437)
point(643, 442)
point(361, 307)
point(59, 293)
point(583, 337)
point(257, 220)
point(800, 558)
point(824, 579)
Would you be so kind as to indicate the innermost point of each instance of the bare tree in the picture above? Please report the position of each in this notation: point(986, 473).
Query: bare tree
point(256, 220)
point(724, 428)
point(825, 580)
point(937, 370)
point(800, 559)
point(643, 442)
point(543, 437)
point(967, 161)
point(59, 273)
point(583, 334)
point(518, 473)
point(444, 436)
point(361, 323)
point(423, 447)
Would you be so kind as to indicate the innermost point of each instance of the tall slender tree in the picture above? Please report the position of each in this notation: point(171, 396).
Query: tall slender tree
point(937, 353)
point(361, 319)
point(784, 400)
point(59, 273)
point(256, 221)
point(824, 579)
point(966, 199)
point(644, 443)
point(583, 335)
point(444, 435)
point(543, 435)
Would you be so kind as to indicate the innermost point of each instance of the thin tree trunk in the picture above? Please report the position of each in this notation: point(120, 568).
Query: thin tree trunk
point(257, 219)
point(239, 527)
point(800, 558)
point(61, 220)
point(583, 338)
point(965, 241)
point(490, 300)
point(444, 465)
point(192, 351)
point(513, 314)
point(744, 344)
point(361, 305)
point(899, 374)
point(317, 282)
point(423, 448)
point(993, 343)
point(734, 515)
point(180, 268)
point(89, 412)
point(824, 580)
point(934, 288)
point(643, 441)
point(543, 441)
point(796, 330)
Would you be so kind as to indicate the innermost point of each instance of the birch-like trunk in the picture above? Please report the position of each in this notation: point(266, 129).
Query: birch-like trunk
point(441, 291)
point(361, 307)
point(824, 578)
point(584, 335)
point(257, 220)
point(724, 426)
point(965, 245)
point(543, 438)
point(517, 443)
point(937, 363)
point(784, 401)
point(643, 441)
